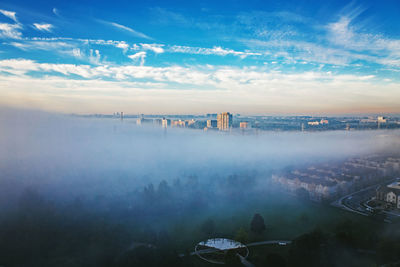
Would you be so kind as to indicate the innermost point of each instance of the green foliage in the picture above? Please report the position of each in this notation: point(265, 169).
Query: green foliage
point(306, 250)
point(389, 250)
point(242, 236)
point(257, 224)
point(83, 233)
point(345, 233)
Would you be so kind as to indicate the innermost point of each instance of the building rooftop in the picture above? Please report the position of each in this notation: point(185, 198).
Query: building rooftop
point(221, 244)
point(394, 185)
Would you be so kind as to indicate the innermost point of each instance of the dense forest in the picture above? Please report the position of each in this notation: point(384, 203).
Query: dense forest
point(160, 225)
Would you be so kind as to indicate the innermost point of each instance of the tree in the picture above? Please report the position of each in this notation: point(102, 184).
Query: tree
point(242, 236)
point(345, 233)
point(163, 190)
point(306, 250)
point(149, 193)
point(257, 225)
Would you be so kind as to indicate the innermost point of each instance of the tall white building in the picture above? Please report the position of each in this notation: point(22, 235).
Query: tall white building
point(165, 122)
point(224, 121)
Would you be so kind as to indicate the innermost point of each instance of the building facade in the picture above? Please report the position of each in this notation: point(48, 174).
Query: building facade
point(212, 124)
point(165, 123)
point(244, 125)
point(389, 194)
point(179, 123)
point(224, 121)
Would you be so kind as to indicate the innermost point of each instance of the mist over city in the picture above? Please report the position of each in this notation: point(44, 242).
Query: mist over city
point(197, 134)
point(66, 174)
point(71, 156)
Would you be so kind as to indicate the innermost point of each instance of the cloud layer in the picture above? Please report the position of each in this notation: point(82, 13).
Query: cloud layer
point(258, 61)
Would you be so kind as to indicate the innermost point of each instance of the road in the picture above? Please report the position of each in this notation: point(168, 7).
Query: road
point(244, 261)
point(267, 242)
point(270, 242)
point(354, 202)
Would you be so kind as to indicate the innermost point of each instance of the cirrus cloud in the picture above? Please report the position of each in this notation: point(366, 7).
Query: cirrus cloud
point(44, 27)
point(10, 31)
point(9, 14)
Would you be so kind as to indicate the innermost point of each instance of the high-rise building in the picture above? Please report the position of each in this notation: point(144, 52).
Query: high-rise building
point(224, 121)
point(142, 120)
point(165, 122)
point(382, 119)
point(179, 123)
point(212, 123)
point(244, 124)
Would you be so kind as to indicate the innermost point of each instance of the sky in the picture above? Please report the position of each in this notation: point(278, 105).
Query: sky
point(186, 57)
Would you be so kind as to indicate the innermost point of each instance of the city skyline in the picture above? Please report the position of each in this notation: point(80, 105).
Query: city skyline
point(174, 57)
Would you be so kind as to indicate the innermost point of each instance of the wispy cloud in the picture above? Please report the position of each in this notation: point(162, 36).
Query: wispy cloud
point(165, 16)
point(292, 51)
point(44, 27)
point(256, 87)
point(10, 31)
point(126, 28)
point(23, 66)
point(156, 48)
point(216, 50)
point(118, 44)
point(81, 49)
point(76, 52)
point(9, 14)
point(94, 56)
point(59, 46)
point(138, 57)
point(124, 46)
point(376, 47)
point(200, 75)
point(56, 11)
point(343, 42)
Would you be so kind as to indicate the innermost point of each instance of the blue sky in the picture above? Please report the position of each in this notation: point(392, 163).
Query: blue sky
point(266, 57)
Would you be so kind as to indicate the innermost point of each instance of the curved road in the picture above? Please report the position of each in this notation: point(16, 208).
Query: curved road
point(270, 242)
point(267, 242)
point(356, 207)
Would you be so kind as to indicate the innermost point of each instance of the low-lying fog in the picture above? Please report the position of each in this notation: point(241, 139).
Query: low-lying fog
point(66, 156)
point(83, 174)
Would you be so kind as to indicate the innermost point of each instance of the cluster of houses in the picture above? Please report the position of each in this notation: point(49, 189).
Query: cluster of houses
point(389, 194)
point(327, 181)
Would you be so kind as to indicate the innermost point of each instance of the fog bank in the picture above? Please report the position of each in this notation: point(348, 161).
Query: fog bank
point(68, 156)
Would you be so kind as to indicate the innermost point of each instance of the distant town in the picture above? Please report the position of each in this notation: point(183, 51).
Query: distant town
point(368, 185)
point(227, 121)
point(332, 180)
